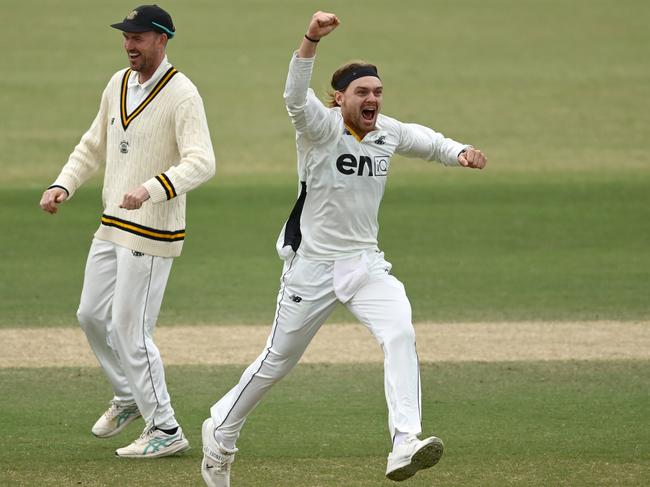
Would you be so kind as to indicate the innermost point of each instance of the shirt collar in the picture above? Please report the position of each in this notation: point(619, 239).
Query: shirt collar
point(157, 75)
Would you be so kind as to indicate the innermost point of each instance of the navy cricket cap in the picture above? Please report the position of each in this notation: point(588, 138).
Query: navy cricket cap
point(145, 18)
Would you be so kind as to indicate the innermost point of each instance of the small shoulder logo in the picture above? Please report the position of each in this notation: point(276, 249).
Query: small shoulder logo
point(295, 298)
point(132, 15)
point(380, 140)
point(112, 120)
point(137, 254)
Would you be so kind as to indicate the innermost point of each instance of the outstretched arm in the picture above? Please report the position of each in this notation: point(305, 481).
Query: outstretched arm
point(321, 24)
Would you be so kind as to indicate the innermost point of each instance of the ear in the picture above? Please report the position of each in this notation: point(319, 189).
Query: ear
point(338, 97)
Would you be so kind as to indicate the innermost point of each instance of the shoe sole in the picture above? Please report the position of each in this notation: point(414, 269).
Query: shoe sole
point(119, 429)
point(174, 449)
point(425, 457)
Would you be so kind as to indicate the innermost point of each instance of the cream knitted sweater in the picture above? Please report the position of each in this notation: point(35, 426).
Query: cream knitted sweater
point(164, 144)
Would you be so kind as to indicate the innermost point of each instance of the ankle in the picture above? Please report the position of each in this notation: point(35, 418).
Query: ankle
point(223, 441)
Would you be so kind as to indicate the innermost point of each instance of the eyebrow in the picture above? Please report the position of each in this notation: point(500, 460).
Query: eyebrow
point(365, 88)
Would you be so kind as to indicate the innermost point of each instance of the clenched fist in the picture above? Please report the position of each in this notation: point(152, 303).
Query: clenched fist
point(133, 200)
point(472, 158)
point(322, 23)
point(52, 198)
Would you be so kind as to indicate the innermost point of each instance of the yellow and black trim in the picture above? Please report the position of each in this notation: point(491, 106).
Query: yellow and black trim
point(349, 130)
point(167, 185)
point(142, 231)
point(127, 119)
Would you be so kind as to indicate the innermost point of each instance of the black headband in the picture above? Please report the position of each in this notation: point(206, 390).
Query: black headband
point(343, 82)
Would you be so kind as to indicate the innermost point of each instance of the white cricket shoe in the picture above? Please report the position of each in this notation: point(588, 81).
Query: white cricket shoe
point(215, 467)
point(413, 455)
point(154, 443)
point(115, 419)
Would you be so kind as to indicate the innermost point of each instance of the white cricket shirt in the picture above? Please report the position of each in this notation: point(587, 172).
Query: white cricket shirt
point(344, 178)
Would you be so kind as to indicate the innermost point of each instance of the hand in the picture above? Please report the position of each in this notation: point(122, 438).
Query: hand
point(134, 199)
point(52, 198)
point(472, 158)
point(322, 23)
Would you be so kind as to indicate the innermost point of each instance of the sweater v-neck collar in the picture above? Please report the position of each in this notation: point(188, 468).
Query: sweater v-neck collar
point(128, 118)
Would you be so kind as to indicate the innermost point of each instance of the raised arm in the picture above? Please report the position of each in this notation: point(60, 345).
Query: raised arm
point(309, 116)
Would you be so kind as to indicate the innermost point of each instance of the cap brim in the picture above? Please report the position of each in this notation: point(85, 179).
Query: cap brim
point(130, 27)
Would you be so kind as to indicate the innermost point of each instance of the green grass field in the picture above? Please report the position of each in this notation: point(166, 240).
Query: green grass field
point(557, 93)
point(515, 424)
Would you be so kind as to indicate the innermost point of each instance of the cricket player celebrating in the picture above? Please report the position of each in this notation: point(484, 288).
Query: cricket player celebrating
point(329, 245)
point(152, 135)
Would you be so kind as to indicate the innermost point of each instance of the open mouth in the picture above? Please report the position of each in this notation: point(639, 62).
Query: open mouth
point(133, 56)
point(368, 113)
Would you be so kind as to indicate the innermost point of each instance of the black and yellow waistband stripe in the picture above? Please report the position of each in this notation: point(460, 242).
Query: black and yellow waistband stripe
point(142, 231)
point(127, 119)
point(167, 185)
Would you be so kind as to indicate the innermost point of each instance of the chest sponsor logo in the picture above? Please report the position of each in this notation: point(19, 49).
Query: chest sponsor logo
point(124, 147)
point(349, 165)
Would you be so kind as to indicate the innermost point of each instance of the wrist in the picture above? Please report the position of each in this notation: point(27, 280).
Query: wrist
point(312, 39)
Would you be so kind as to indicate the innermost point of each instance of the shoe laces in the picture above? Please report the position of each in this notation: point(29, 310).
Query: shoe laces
point(221, 464)
point(115, 408)
point(221, 460)
point(147, 433)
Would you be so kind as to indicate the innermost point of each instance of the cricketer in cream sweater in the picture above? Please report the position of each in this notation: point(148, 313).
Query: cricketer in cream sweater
point(163, 144)
point(152, 136)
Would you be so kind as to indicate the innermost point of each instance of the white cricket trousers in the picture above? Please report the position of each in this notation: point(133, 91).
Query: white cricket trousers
point(306, 298)
point(120, 301)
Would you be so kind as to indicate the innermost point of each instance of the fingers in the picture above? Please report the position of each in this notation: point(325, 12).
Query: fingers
point(51, 199)
point(322, 23)
point(472, 158)
point(135, 199)
point(326, 20)
point(130, 202)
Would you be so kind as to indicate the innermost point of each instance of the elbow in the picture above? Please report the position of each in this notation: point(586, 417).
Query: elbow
point(213, 169)
point(294, 104)
point(211, 166)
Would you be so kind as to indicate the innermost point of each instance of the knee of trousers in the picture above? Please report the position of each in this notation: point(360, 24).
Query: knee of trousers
point(275, 366)
point(400, 337)
point(89, 321)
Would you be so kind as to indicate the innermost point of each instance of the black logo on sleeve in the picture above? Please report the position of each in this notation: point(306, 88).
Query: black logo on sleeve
point(366, 166)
